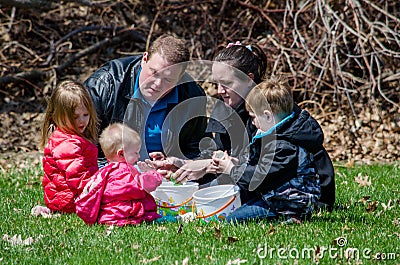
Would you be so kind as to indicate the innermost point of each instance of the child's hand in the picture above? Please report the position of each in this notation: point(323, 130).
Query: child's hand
point(223, 163)
point(166, 166)
point(144, 167)
point(169, 163)
point(150, 181)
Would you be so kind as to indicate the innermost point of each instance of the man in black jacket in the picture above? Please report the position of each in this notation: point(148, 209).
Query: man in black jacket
point(154, 95)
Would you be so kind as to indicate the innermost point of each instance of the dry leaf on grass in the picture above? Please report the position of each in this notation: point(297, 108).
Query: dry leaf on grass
point(200, 230)
point(44, 212)
point(347, 229)
point(17, 240)
point(109, 230)
point(365, 199)
point(232, 239)
point(317, 254)
point(145, 261)
point(362, 180)
point(372, 206)
point(388, 206)
point(271, 230)
point(185, 261)
point(135, 246)
point(180, 228)
point(236, 261)
point(349, 163)
point(161, 228)
point(209, 257)
point(218, 233)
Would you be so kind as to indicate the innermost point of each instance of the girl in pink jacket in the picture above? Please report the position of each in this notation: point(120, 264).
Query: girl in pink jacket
point(70, 155)
point(118, 194)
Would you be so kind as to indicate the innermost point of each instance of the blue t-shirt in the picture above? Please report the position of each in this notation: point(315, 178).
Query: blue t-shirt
point(154, 116)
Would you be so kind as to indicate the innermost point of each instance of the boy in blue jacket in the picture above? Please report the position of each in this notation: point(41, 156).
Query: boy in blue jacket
point(279, 173)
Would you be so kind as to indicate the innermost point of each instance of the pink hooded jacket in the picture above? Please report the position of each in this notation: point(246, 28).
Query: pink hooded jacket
point(68, 162)
point(119, 194)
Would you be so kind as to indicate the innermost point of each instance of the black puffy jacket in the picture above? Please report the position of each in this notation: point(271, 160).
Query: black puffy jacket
point(111, 88)
point(304, 131)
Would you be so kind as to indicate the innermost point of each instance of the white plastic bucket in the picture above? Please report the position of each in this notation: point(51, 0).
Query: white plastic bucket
point(216, 202)
point(174, 199)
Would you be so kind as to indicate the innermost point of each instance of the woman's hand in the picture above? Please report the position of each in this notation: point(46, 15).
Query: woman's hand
point(193, 170)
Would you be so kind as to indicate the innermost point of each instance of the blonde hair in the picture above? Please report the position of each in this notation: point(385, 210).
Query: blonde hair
point(115, 136)
point(273, 94)
point(60, 111)
point(171, 48)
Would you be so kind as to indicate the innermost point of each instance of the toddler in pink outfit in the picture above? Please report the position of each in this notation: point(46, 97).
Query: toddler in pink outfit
point(118, 194)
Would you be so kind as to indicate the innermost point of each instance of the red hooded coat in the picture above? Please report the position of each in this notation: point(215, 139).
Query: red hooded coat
point(68, 162)
point(119, 194)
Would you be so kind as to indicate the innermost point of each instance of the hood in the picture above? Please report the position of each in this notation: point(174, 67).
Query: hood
point(302, 130)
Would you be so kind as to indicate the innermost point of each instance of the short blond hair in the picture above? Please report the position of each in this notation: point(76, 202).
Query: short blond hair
point(115, 136)
point(273, 94)
point(171, 48)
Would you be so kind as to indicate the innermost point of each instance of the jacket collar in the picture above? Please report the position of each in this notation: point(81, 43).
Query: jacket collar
point(132, 66)
point(261, 134)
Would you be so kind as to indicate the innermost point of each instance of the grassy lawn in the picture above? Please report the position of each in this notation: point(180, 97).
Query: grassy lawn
point(363, 229)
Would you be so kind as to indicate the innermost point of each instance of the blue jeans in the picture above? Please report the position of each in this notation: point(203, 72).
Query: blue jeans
point(252, 210)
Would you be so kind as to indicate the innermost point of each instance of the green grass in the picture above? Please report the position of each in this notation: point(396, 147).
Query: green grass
point(367, 230)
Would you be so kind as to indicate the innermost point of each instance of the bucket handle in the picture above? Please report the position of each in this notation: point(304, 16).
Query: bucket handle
point(216, 211)
point(174, 206)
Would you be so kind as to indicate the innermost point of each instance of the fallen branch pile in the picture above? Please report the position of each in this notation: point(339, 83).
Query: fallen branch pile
point(341, 57)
